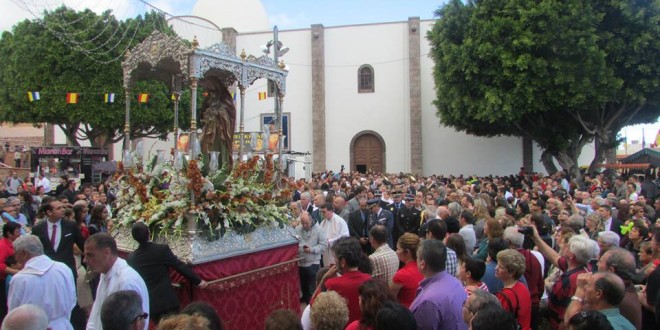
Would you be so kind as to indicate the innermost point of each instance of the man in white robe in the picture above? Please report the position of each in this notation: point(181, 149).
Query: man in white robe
point(43, 282)
point(116, 274)
point(334, 227)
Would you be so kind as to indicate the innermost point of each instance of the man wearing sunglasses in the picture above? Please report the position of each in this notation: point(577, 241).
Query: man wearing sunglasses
point(122, 310)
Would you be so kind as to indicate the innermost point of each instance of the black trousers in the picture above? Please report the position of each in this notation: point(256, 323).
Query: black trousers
point(308, 281)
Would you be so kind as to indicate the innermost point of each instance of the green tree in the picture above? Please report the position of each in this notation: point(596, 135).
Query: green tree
point(562, 73)
point(81, 52)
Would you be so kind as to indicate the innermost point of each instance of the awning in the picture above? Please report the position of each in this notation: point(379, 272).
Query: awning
point(639, 166)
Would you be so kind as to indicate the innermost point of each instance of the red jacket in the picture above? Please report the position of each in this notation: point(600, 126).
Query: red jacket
point(533, 276)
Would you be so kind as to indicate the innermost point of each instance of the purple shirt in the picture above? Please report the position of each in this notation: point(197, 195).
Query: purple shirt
point(439, 303)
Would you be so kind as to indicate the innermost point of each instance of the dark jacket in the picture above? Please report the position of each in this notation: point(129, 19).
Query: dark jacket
point(153, 261)
point(70, 235)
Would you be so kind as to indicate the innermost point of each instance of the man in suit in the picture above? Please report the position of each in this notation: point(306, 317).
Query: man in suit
point(153, 261)
point(354, 203)
point(58, 236)
point(358, 225)
point(610, 223)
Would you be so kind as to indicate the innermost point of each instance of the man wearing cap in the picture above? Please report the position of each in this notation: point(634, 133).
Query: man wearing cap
point(379, 216)
point(409, 216)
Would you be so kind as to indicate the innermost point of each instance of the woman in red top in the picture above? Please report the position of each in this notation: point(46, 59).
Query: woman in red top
point(515, 296)
point(406, 280)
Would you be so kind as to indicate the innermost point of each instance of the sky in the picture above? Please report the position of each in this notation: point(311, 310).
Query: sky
point(286, 14)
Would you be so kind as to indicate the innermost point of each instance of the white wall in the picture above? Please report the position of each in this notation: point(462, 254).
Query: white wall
point(386, 111)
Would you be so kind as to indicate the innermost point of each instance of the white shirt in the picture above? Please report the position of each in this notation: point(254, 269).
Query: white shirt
point(120, 277)
point(58, 232)
point(334, 228)
point(607, 225)
point(306, 318)
point(44, 182)
point(469, 236)
point(47, 284)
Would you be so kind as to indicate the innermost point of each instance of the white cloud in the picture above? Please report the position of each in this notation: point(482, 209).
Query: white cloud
point(15, 11)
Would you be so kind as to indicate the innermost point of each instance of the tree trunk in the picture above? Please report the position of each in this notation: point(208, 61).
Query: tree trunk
point(548, 162)
point(70, 133)
point(598, 156)
point(568, 161)
point(605, 143)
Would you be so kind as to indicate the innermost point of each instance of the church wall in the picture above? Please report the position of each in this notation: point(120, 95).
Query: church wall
point(447, 151)
point(386, 111)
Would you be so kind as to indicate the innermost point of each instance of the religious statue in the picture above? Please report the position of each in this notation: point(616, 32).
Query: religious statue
point(218, 120)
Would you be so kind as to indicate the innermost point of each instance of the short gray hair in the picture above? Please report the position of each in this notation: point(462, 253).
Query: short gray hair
point(26, 317)
point(481, 300)
point(514, 237)
point(306, 195)
point(455, 209)
point(576, 219)
point(622, 261)
point(583, 248)
point(120, 309)
point(30, 244)
point(609, 238)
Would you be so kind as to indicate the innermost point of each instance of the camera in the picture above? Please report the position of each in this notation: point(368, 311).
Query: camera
point(527, 230)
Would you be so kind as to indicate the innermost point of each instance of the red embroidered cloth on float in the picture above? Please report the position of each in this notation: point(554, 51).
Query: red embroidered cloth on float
point(249, 276)
point(249, 288)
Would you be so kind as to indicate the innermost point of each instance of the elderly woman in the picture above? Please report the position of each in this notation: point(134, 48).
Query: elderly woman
point(329, 312)
point(607, 240)
point(594, 224)
point(515, 296)
point(406, 280)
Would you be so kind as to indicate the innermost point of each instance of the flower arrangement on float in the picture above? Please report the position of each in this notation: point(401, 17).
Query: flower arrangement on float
point(241, 198)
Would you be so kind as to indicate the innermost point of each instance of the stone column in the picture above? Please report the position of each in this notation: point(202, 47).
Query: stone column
point(318, 98)
point(414, 59)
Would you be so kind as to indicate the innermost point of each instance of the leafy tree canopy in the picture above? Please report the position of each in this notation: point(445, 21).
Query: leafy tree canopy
point(560, 72)
point(81, 52)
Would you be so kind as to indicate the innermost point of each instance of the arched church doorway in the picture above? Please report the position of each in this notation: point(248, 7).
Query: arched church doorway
point(368, 152)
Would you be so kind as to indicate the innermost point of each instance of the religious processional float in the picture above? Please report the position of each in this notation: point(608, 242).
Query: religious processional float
point(206, 205)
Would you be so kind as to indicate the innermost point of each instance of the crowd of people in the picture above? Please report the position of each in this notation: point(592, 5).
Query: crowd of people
point(514, 252)
point(60, 268)
point(377, 252)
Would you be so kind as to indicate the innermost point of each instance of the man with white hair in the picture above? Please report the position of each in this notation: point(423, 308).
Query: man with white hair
point(26, 317)
point(572, 262)
point(43, 282)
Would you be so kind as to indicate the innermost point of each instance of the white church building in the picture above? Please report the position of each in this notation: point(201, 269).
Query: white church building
point(360, 96)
